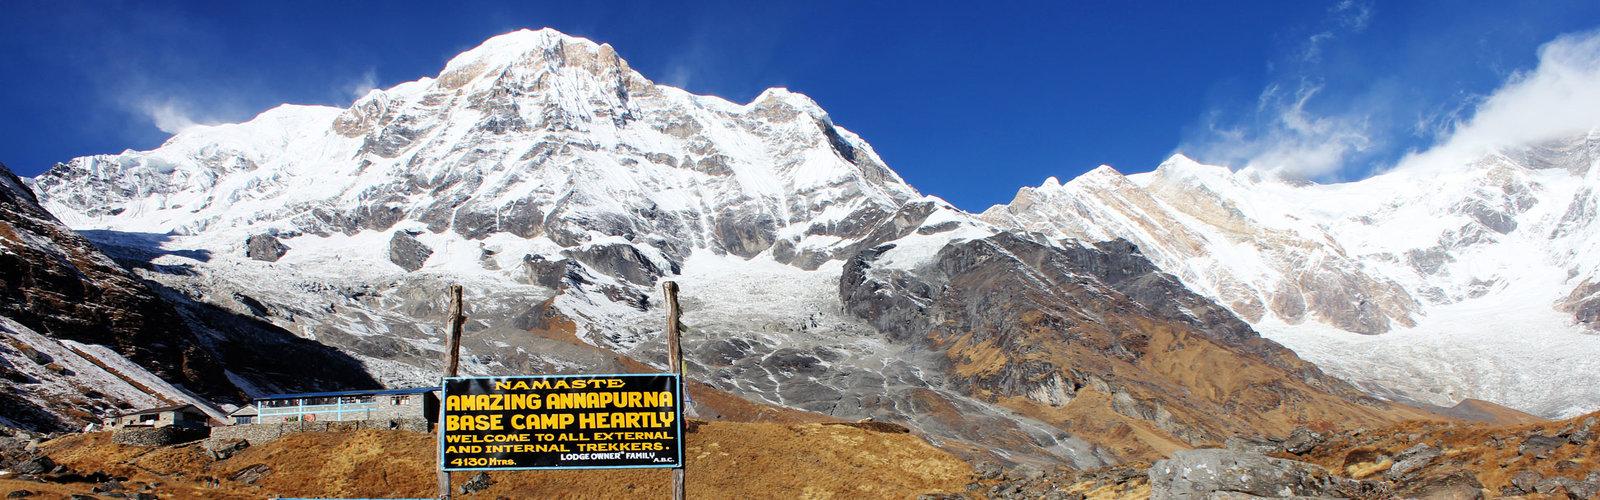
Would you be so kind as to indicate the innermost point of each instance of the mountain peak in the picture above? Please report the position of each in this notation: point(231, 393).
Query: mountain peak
point(518, 44)
point(1180, 166)
point(528, 53)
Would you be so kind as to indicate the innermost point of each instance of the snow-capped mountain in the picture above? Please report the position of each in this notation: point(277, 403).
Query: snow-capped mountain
point(560, 187)
point(1473, 282)
point(81, 337)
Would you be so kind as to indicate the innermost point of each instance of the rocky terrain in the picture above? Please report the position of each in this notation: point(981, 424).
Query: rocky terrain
point(1415, 459)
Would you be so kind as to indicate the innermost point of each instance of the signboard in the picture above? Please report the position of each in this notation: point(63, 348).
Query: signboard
point(561, 422)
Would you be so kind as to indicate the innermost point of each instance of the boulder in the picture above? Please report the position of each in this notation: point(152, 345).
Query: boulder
point(221, 449)
point(1580, 436)
point(1540, 446)
point(1410, 461)
point(1589, 488)
point(1458, 486)
point(479, 482)
point(1223, 473)
point(408, 253)
point(107, 487)
point(264, 247)
point(1523, 482)
point(36, 465)
point(251, 474)
point(1237, 443)
point(1302, 441)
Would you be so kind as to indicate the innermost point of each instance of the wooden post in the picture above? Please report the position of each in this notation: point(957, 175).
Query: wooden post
point(452, 363)
point(675, 363)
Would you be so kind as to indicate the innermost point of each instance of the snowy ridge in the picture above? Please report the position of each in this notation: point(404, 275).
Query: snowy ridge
point(1465, 278)
point(70, 377)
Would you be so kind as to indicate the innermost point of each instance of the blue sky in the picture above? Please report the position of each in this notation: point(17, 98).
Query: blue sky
point(966, 101)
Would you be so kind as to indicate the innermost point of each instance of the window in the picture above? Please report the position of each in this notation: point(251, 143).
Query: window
point(243, 419)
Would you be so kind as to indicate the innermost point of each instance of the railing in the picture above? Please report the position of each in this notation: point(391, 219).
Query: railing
point(340, 411)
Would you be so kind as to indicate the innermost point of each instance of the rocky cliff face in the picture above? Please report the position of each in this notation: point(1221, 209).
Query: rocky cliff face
point(85, 337)
point(560, 187)
point(59, 285)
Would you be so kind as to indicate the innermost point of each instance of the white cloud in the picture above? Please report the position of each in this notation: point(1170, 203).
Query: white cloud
point(168, 115)
point(1558, 98)
point(362, 86)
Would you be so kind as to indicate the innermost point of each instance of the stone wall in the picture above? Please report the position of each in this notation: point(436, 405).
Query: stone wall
point(264, 433)
point(155, 436)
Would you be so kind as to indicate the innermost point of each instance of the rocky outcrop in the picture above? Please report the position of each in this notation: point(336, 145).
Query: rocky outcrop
point(1584, 305)
point(622, 261)
point(408, 253)
point(1218, 473)
point(264, 247)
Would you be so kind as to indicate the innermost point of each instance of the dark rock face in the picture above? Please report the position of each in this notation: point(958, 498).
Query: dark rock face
point(620, 260)
point(67, 288)
point(1210, 473)
point(265, 247)
point(745, 235)
point(408, 253)
point(551, 274)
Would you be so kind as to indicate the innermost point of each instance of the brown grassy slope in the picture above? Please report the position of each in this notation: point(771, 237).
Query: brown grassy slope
point(1156, 366)
point(1180, 390)
point(1477, 410)
point(726, 460)
point(1488, 452)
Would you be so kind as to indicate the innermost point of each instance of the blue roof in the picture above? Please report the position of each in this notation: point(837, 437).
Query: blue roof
point(374, 392)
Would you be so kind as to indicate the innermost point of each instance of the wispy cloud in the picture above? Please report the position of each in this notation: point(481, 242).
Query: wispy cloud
point(173, 116)
point(1346, 17)
point(1286, 134)
point(362, 85)
point(168, 116)
point(1294, 142)
point(1559, 97)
